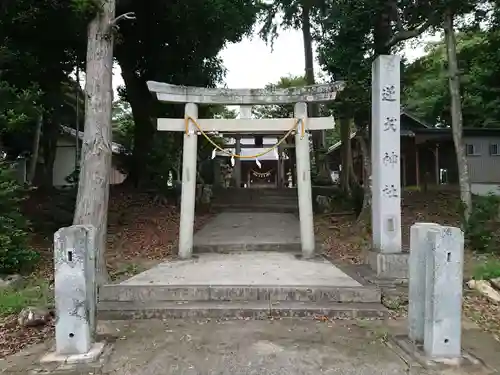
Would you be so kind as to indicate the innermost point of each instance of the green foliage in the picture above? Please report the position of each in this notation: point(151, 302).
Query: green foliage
point(480, 229)
point(279, 111)
point(15, 253)
point(37, 294)
point(426, 90)
point(488, 270)
point(123, 124)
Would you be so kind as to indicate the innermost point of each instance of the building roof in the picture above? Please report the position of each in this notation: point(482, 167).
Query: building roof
point(404, 132)
point(116, 148)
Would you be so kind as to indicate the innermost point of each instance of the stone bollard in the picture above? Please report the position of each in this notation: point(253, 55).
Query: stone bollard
point(419, 248)
point(443, 289)
point(75, 290)
point(75, 294)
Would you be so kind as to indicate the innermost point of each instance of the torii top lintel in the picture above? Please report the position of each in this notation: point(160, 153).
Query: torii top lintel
point(200, 95)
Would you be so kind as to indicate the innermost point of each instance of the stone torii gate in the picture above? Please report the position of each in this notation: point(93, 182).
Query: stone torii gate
point(192, 127)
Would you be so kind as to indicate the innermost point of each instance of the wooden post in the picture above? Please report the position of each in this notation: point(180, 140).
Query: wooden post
point(304, 183)
point(188, 197)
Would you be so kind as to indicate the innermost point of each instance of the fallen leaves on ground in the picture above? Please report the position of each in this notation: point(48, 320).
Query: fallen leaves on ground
point(346, 240)
point(14, 338)
point(142, 231)
point(481, 311)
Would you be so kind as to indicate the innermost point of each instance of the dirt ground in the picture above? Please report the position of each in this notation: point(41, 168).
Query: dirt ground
point(345, 241)
point(143, 232)
point(264, 347)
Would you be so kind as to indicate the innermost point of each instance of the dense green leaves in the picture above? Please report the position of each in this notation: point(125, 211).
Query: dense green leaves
point(15, 254)
point(426, 92)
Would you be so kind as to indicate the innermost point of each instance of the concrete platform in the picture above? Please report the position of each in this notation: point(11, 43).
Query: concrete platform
point(248, 284)
point(262, 268)
point(249, 231)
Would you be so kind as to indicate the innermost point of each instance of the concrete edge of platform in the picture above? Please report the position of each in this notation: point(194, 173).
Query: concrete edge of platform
point(300, 293)
point(226, 248)
point(239, 310)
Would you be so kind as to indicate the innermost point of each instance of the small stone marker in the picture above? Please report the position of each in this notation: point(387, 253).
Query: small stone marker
point(75, 295)
point(443, 306)
point(419, 249)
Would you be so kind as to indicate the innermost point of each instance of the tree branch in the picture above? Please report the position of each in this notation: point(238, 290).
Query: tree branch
point(125, 16)
point(408, 34)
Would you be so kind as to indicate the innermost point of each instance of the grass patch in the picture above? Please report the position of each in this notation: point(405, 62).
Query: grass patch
point(490, 269)
point(36, 293)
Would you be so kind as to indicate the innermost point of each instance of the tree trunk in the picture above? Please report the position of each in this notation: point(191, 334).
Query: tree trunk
point(49, 142)
point(456, 113)
point(353, 178)
point(345, 138)
point(383, 31)
point(318, 137)
point(35, 149)
point(93, 186)
point(364, 217)
point(139, 98)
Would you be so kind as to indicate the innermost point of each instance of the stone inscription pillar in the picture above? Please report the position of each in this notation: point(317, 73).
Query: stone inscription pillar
point(386, 172)
point(75, 289)
point(304, 183)
point(443, 305)
point(188, 198)
point(385, 257)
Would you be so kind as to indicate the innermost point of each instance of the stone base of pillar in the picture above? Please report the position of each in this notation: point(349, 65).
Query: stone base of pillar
point(93, 355)
point(388, 265)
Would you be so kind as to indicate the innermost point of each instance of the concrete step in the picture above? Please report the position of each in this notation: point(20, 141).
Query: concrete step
point(256, 192)
point(165, 293)
point(237, 247)
point(254, 309)
point(280, 200)
point(256, 207)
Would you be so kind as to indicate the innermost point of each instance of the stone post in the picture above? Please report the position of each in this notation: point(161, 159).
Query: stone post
point(304, 183)
point(75, 289)
point(279, 163)
point(419, 250)
point(443, 306)
point(188, 198)
point(237, 162)
point(245, 113)
point(385, 257)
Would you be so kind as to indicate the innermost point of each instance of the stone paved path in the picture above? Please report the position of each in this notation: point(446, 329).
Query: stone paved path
point(236, 231)
point(263, 347)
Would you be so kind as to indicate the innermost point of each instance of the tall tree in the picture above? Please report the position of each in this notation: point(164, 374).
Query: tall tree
point(456, 112)
point(426, 89)
point(93, 186)
point(174, 42)
point(298, 14)
point(352, 35)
